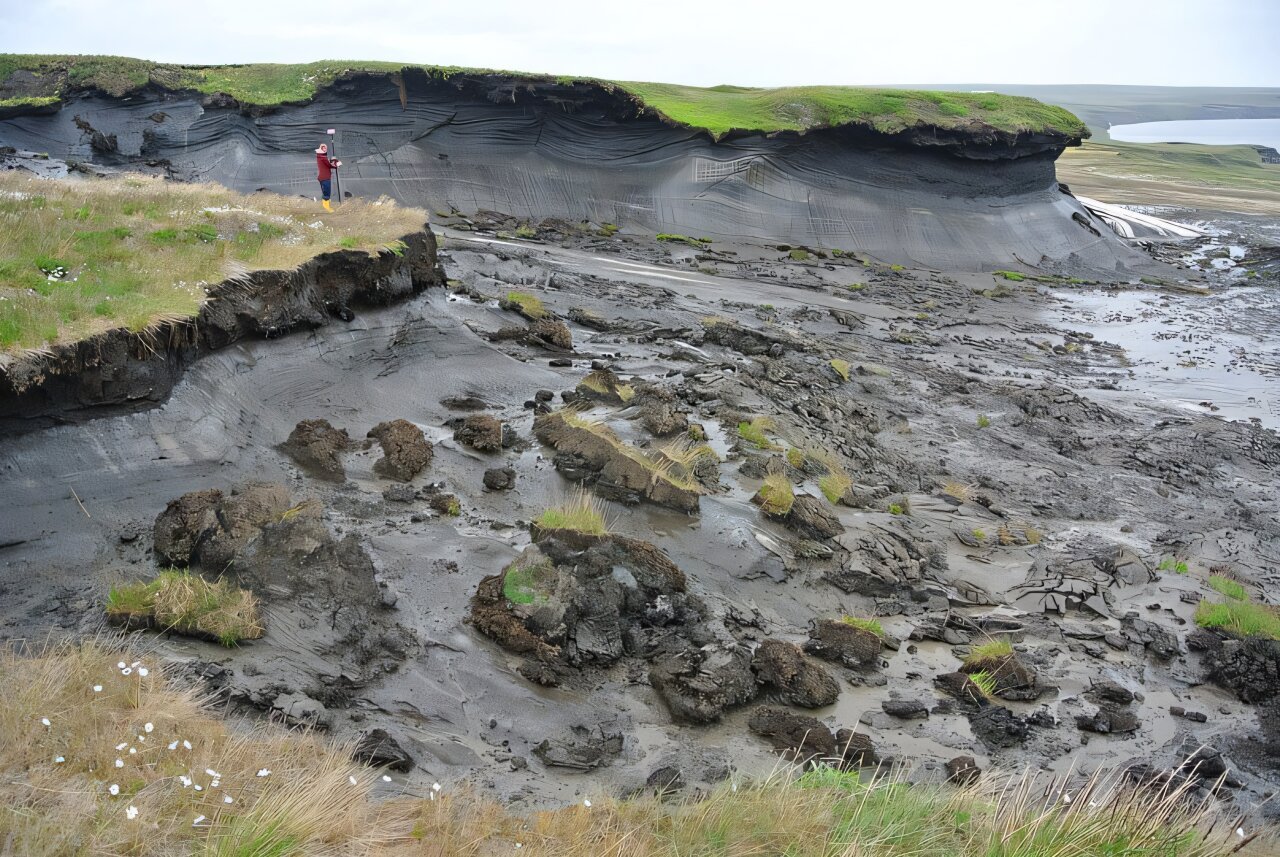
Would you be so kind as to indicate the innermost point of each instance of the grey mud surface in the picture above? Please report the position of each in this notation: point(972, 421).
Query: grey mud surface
point(1116, 475)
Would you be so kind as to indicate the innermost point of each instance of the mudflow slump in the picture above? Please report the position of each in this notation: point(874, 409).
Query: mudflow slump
point(577, 152)
point(1037, 518)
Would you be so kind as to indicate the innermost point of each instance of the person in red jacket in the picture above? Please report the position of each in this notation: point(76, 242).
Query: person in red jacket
point(325, 166)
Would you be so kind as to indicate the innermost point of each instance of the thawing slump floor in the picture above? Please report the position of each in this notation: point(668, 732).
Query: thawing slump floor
point(965, 379)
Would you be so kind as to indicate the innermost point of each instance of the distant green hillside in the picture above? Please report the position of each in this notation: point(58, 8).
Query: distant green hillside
point(717, 110)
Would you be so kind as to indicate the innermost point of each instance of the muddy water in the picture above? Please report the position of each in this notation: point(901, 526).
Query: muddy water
point(1217, 353)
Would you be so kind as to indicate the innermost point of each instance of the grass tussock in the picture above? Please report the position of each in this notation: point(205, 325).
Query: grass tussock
point(872, 625)
point(81, 257)
point(686, 454)
point(1244, 618)
point(958, 490)
point(186, 603)
point(581, 513)
point(755, 431)
point(776, 496)
point(1233, 589)
point(62, 792)
point(531, 306)
point(835, 485)
point(990, 651)
point(660, 467)
point(985, 682)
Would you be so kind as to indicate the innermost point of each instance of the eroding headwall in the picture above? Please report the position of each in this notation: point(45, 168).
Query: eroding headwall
point(940, 198)
point(120, 369)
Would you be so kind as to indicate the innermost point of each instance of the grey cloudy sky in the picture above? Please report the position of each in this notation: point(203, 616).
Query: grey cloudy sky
point(1174, 42)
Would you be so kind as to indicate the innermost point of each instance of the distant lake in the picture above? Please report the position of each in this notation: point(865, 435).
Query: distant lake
point(1214, 132)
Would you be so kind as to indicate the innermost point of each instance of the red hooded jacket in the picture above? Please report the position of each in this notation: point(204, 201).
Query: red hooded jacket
point(325, 165)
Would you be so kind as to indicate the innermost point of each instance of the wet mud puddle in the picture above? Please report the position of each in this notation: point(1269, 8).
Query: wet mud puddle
point(1216, 353)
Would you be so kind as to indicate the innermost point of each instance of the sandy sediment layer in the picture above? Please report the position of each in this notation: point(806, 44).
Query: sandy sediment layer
point(933, 197)
point(124, 368)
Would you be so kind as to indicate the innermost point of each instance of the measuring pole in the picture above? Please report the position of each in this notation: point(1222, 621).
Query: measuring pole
point(333, 153)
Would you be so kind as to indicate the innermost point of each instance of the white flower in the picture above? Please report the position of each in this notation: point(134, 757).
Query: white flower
point(119, 763)
point(97, 688)
point(133, 751)
point(215, 783)
point(121, 665)
point(121, 746)
point(186, 745)
point(58, 760)
point(173, 745)
point(1066, 798)
point(143, 671)
point(45, 721)
point(199, 818)
point(148, 728)
point(131, 813)
point(265, 772)
point(126, 671)
point(211, 772)
point(199, 788)
point(351, 780)
point(586, 803)
point(226, 799)
point(185, 780)
point(136, 664)
point(385, 778)
point(435, 787)
point(1240, 832)
point(114, 789)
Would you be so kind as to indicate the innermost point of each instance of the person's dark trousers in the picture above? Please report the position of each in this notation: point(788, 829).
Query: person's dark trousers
point(325, 186)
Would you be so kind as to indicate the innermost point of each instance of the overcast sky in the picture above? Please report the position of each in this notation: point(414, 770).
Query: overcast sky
point(701, 42)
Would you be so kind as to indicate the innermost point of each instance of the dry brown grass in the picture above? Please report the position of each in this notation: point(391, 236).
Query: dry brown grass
point(661, 467)
point(137, 251)
point(306, 804)
point(56, 795)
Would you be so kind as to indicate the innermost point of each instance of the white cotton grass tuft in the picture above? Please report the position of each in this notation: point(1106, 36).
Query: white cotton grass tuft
point(264, 772)
point(131, 813)
point(113, 789)
point(119, 763)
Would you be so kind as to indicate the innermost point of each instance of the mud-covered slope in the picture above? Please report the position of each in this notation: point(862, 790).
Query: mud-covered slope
point(944, 197)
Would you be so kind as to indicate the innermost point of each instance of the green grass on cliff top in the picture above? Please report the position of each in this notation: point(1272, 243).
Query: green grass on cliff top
point(717, 110)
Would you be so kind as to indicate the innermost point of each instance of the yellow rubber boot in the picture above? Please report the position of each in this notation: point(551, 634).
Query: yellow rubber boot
point(326, 205)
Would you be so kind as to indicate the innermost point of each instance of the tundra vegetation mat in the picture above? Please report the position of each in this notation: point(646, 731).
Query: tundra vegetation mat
point(101, 752)
point(84, 256)
point(1187, 175)
point(33, 80)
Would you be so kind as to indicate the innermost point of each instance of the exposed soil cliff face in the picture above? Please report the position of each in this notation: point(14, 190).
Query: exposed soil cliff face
point(121, 368)
point(970, 199)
